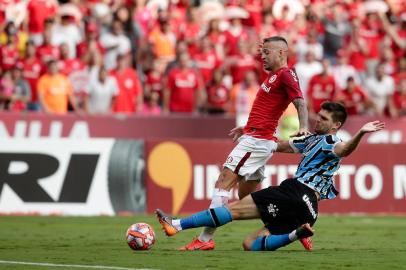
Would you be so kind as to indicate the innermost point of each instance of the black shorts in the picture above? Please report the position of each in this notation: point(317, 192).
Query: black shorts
point(287, 206)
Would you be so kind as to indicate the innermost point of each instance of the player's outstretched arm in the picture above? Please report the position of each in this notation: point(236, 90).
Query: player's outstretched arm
point(301, 108)
point(284, 147)
point(344, 149)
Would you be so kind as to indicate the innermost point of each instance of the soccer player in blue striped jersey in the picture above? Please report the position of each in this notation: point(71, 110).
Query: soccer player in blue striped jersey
point(290, 209)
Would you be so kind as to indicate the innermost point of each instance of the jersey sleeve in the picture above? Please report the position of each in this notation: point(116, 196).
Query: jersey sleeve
point(291, 83)
point(330, 142)
point(299, 144)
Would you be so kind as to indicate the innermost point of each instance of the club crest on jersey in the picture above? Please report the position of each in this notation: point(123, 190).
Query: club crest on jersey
point(273, 78)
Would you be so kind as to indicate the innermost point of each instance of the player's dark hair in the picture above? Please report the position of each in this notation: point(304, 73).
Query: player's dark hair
point(275, 38)
point(337, 110)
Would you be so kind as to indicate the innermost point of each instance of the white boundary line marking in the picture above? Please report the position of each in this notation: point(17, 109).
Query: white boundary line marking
point(73, 265)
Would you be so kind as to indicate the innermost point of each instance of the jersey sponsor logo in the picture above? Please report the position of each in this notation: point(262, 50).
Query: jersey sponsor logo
point(293, 75)
point(229, 159)
point(265, 88)
point(189, 82)
point(273, 210)
point(310, 206)
point(128, 83)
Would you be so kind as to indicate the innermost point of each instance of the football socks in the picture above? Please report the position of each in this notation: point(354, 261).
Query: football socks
point(213, 217)
point(270, 242)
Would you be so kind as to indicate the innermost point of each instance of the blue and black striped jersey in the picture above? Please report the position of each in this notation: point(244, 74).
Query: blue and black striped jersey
point(318, 164)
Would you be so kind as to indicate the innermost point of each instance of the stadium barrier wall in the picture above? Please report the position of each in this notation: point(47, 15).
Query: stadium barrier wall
point(106, 176)
point(181, 176)
point(174, 174)
point(71, 177)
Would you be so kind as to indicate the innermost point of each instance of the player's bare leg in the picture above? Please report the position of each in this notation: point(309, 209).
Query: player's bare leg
point(247, 187)
point(244, 209)
point(226, 181)
point(244, 188)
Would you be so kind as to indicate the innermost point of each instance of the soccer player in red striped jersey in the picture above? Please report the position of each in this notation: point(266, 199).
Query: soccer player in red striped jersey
point(245, 164)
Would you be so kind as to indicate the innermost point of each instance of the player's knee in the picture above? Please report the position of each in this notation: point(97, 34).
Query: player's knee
point(226, 180)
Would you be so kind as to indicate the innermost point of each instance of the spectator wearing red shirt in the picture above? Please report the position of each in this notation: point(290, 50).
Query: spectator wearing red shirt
point(267, 28)
point(397, 32)
point(217, 37)
point(241, 63)
point(153, 82)
point(32, 69)
point(355, 100)
point(283, 23)
point(190, 30)
point(236, 31)
point(47, 51)
point(9, 54)
point(183, 92)
point(90, 44)
point(254, 20)
point(371, 32)
point(68, 65)
point(130, 97)
point(38, 12)
point(218, 95)
point(206, 60)
point(357, 49)
point(322, 87)
point(397, 106)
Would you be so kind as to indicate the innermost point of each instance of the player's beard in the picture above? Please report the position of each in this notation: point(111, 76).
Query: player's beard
point(267, 66)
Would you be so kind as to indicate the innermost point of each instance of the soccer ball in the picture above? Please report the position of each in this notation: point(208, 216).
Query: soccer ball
point(140, 236)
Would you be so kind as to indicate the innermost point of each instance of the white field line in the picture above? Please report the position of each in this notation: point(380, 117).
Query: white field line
point(73, 265)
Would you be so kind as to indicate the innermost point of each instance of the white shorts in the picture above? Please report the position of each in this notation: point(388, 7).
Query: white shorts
point(249, 157)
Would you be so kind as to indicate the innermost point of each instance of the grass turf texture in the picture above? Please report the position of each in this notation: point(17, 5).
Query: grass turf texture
point(343, 242)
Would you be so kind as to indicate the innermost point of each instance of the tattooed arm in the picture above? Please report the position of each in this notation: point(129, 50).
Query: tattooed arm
point(301, 108)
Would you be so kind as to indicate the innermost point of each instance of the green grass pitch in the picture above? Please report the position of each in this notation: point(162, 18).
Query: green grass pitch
point(340, 242)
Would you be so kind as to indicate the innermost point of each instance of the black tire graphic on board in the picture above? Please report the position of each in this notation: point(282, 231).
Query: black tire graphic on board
point(126, 176)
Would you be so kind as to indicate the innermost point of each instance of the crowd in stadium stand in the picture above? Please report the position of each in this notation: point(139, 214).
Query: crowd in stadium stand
point(153, 57)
